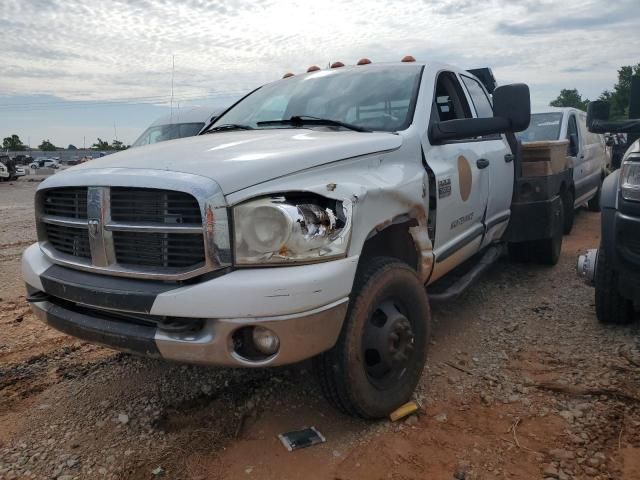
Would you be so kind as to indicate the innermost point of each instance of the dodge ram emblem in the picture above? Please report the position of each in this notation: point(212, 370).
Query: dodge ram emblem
point(94, 226)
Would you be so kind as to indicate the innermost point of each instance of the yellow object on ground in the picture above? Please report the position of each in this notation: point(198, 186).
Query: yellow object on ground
point(404, 411)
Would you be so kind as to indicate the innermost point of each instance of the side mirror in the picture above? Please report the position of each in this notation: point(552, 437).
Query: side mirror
point(511, 113)
point(597, 110)
point(573, 145)
point(513, 102)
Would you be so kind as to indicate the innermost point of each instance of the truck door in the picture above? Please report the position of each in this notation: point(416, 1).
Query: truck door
point(461, 181)
point(501, 169)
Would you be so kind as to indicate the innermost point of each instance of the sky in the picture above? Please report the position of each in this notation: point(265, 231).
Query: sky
point(75, 70)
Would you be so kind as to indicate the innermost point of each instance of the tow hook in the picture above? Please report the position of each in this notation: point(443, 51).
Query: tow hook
point(586, 266)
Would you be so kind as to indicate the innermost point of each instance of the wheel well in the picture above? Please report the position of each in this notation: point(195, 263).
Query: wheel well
point(394, 241)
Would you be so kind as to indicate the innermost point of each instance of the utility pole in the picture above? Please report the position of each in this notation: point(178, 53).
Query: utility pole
point(173, 68)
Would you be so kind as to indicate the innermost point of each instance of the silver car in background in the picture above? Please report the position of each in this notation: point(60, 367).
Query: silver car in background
point(182, 123)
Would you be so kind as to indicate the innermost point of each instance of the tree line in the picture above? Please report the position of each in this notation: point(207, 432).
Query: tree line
point(14, 143)
point(618, 97)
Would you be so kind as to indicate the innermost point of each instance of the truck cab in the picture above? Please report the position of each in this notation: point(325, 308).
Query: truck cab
point(311, 220)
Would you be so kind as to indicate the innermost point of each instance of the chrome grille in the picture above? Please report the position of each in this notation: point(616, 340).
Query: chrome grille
point(66, 202)
point(136, 228)
point(169, 250)
point(157, 206)
point(69, 240)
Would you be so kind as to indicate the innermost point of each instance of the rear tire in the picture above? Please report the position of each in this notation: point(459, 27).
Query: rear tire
point(546, 251)
point(378, 360)
point(594, 204)
point(611, 307)
point(567, 198)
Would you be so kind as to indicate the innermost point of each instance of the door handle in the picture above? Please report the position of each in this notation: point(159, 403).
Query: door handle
point(509, 157)
point(482, 163)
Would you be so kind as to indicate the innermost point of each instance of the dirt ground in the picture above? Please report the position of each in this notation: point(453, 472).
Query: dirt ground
point(521, 383)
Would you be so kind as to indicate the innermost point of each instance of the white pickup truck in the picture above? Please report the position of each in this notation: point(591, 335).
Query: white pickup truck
point(586, 150)
point(305, 223)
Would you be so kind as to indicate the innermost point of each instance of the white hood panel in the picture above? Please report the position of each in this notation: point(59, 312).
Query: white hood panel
point(237, 160)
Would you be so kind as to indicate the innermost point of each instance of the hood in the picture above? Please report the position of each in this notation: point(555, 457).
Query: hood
point(237, 160)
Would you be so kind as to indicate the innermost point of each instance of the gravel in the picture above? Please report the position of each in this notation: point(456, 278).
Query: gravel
point(524, 337)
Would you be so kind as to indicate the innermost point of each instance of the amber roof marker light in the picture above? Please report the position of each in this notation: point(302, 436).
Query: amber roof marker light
point(287, 75)
point(364, 61)
point(313, 68)
point(408, 59)
point(337, 65)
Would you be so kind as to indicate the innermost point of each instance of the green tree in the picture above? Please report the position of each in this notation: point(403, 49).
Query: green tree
point(101, 145)
point(606, 96)
point(13, 143)
point(47, 146)
point(619, 97)
point(570, 97)
point(118, 145)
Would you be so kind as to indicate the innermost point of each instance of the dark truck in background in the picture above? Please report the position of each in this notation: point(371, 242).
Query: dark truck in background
point(614, 268)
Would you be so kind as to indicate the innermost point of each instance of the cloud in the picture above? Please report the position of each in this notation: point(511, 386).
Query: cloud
point(101, 51)
point(582, 17)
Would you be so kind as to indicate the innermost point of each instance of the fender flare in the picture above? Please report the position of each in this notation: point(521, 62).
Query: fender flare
point(609, 193)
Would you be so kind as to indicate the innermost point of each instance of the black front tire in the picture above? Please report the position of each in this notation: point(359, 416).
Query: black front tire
point(611, 307)
point(346, 372)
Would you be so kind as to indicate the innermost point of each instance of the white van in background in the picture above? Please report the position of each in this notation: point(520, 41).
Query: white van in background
point(587, 151)
point(182, 123)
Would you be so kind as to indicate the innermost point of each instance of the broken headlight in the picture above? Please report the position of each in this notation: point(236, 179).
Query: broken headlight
point(630, 179)
point(289, 229)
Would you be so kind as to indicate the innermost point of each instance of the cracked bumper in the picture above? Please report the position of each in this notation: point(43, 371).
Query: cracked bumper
point(304, 305)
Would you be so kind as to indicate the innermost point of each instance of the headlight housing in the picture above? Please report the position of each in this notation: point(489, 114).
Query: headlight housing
point(291, 228)
point(630, 179)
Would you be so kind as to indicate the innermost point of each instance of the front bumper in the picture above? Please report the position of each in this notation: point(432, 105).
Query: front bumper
point(303, 305)
point(621, 240)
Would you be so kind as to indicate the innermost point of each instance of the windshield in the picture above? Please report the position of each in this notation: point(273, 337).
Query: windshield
point(161, 133)
point(543, 126)
point(372, 97)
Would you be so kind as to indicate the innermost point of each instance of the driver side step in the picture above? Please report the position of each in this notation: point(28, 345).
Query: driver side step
point(458, 280)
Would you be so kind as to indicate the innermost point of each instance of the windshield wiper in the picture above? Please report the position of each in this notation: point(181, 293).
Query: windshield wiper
point(229, 126)
point(300, 120)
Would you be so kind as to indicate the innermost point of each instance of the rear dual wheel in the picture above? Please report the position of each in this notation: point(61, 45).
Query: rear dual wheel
point(568, 207)
point(380, 354)
point(546, 251)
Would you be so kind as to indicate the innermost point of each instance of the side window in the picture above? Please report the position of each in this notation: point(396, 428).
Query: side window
point(449, 102)
point(478, 97)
